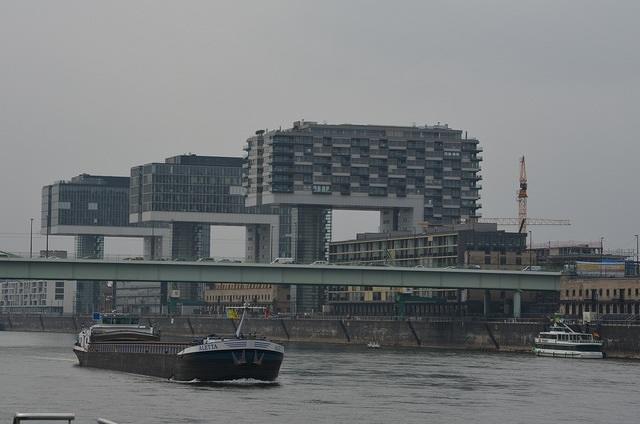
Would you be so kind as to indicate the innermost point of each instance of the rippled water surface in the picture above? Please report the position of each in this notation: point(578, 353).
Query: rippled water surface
point(328, 384)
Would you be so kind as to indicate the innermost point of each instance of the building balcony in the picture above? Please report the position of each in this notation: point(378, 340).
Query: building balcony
point(326, 151)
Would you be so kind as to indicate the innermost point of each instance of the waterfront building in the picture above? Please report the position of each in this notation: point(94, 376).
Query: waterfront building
point(409, 174)
point(220, 295)
point(38, 297)
point(472, 246)
point(457, 245)
point(600, 296)
point(141, 298)
point(564, 255)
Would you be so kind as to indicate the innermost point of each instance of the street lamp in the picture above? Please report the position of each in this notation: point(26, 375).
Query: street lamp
point(31, 238)
point(601, 254)
point(637, 245)
point(530, 249)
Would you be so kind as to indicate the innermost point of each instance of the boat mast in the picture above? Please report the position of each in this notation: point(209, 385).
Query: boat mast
point(244, 312)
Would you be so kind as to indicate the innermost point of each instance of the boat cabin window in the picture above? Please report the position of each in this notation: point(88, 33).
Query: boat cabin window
point(119, 319)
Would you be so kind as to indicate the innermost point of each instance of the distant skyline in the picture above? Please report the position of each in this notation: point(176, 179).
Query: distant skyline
point(100, 87)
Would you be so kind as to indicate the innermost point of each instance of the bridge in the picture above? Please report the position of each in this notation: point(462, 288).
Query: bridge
point(289, 274)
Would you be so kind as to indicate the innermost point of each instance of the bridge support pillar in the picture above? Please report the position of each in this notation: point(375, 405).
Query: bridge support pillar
point(486, 302)
point(516, 304)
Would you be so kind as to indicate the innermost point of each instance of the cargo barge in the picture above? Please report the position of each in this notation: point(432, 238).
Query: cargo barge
point(137, 349)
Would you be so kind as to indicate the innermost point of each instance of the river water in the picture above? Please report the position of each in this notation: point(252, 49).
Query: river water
point(327, 384)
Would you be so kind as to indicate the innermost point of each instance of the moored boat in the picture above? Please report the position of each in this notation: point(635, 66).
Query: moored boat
point(562, 341)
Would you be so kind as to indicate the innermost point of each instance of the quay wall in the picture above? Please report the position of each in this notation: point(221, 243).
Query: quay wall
point(621, 341)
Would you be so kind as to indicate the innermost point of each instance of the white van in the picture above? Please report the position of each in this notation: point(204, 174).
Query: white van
point(283, 261)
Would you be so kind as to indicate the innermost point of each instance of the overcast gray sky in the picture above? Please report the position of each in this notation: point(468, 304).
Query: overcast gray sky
point(99, 87)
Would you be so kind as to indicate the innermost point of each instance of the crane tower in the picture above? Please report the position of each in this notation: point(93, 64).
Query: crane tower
point(522, 198)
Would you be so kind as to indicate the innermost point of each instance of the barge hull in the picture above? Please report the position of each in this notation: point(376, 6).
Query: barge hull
point(156, 365)
point(202, 366)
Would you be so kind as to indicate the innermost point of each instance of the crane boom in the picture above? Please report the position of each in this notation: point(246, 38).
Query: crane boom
point(518, 221)
point(522, 197)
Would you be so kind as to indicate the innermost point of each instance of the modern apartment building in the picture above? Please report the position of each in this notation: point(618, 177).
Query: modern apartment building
point(40, 296)
point(445, 246)
point(455, 246)
point(410, 174)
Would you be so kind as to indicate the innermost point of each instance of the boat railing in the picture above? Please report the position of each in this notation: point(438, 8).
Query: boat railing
point(570, 341)
point(19, 417)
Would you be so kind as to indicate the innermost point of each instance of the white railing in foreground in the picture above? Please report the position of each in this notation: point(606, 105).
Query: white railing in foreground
point(51, 416)
point(40, 416)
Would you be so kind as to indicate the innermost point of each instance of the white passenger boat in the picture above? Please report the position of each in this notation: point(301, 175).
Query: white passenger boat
point(373, 345)
point(562, 341)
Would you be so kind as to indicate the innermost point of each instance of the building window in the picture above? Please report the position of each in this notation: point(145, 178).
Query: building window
point(607, 294)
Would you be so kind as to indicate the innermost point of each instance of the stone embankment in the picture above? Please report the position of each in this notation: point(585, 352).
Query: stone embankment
point(507, 336)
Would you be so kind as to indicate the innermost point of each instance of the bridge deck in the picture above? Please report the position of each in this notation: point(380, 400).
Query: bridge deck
point(199, 272)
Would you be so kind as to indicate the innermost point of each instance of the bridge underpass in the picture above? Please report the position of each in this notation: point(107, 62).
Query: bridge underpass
point(279, 274)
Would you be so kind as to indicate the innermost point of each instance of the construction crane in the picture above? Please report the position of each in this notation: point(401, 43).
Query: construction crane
point(522, 220)
point(522, 198)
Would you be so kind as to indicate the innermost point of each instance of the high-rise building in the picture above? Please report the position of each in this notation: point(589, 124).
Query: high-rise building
point(87, 207)
point(409, 174)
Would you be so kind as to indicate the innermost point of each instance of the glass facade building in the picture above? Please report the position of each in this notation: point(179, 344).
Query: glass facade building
point(84, 204)
point(86, 200)
point(190, 183)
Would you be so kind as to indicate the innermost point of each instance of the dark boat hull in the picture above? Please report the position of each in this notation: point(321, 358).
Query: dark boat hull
point(201, 366)
point(228, 365)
